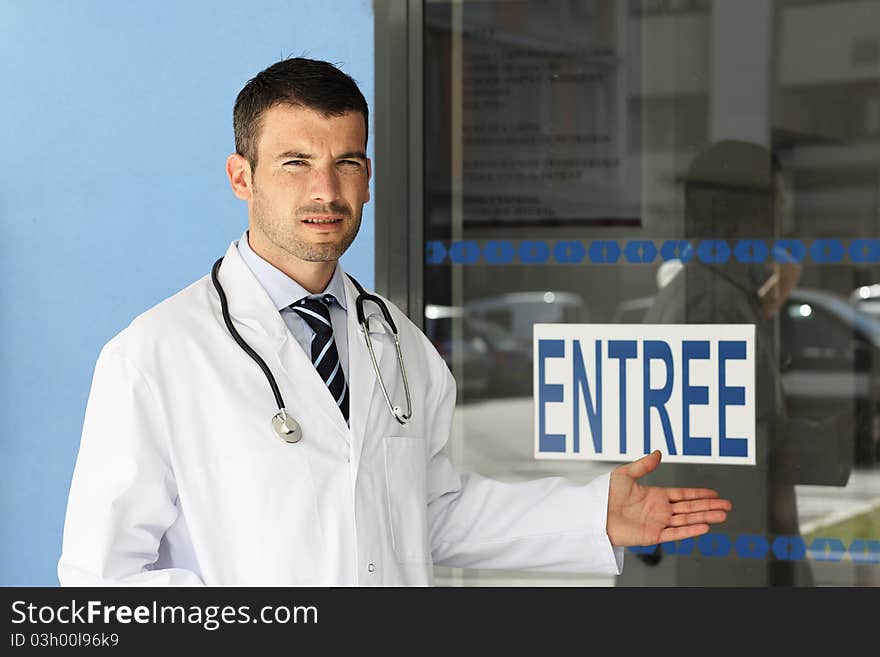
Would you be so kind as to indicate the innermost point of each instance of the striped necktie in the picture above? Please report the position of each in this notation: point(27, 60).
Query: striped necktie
point(325, 357)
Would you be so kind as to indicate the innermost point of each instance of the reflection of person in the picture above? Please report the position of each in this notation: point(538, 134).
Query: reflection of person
point(179, 479)
point(731, 193)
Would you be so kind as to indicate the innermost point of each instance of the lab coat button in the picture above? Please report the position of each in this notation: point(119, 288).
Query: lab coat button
point(371, 568)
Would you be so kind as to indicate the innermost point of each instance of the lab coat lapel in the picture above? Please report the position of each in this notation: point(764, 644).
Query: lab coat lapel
point(249, 304)
point(362, 376)
point(254, 315)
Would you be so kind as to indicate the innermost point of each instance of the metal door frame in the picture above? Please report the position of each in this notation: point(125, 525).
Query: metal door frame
point(399, 169)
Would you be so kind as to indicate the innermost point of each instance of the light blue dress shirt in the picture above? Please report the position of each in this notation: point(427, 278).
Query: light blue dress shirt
point(284, 291)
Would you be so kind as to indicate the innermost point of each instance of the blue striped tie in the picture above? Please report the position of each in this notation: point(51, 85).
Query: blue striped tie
point(325, 357)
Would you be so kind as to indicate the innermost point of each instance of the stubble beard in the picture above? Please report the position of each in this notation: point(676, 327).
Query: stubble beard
point(282, 232)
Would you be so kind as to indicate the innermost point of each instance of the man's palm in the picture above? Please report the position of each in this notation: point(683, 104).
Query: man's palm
point(645, 515)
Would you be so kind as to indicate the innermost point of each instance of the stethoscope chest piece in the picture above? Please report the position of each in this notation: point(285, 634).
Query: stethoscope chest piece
point(286, 427)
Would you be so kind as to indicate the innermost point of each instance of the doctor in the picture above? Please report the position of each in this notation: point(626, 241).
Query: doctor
point(181, 477)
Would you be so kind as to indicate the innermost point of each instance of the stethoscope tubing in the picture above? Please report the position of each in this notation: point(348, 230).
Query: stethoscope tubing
point(286, 427)
point(224, 307)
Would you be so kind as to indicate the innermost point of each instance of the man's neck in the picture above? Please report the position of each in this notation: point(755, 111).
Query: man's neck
point(313, 276)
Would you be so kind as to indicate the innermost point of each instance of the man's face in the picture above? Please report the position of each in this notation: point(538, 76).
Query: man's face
point(310, 183)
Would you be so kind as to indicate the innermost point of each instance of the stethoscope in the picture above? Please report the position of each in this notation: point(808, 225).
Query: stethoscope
point(285, 426)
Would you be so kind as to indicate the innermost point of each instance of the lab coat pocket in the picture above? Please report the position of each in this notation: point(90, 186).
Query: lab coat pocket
point(405, 481)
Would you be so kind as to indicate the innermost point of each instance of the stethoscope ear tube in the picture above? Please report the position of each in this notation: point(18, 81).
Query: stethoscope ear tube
point(399, 415)
point(363, 295)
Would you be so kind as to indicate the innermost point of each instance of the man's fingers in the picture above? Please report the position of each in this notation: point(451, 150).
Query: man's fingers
point(700, 518)
point(681, 533)
point(679, 494)
point(642, 466)
point(701, 505)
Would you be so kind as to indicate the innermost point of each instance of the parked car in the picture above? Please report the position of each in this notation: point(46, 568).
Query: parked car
point(517, 312)
point(494, 363)
point(867, 299)
point(829, 361)
point(511, 373)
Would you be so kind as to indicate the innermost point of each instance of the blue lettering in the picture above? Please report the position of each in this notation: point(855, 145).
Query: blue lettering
point(729, 396)
point(548, 392)
point(622, 350)
point(594, 411)
point(693, 396)
point(657, 398)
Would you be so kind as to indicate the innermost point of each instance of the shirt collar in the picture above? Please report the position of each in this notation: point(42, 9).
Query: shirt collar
point(282, 289)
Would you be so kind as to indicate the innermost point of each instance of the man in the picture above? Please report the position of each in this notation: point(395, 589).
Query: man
point(733, 190)
point(179, 479)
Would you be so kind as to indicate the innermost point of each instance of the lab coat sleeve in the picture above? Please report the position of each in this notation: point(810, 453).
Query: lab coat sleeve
point(547, 524)
point(123, 494)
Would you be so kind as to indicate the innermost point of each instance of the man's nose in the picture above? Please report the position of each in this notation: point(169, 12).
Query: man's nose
point(324, 184)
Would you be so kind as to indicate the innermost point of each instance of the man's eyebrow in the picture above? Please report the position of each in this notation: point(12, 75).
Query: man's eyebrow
point(296, 154)
point(360, 155)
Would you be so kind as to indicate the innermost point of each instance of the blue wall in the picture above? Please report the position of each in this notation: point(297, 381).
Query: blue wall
point(115, 124)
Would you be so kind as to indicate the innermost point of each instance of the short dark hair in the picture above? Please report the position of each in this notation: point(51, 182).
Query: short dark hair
point(310, 83)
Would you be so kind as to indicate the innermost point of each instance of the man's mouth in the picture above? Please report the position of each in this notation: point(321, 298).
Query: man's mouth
point(322, 220)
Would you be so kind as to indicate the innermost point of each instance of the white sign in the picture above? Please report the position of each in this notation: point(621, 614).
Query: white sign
point(615, 392)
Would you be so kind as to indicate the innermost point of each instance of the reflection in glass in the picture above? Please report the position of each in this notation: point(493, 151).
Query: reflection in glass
point(578, 121)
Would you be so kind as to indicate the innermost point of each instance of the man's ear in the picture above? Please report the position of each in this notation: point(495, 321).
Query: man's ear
point(369, 176)
point(238, 170)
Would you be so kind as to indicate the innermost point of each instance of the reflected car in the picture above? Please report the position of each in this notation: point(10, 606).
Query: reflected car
point(473, 359)
point(511, 373)
point(829, 361)
point(867, 299)
point(517, 312)
point(494, 363)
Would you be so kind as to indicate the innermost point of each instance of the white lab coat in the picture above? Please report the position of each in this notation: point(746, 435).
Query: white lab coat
point(181, 480)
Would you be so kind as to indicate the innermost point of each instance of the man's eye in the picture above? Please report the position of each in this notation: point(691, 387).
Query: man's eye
point(350, 163)
point(295, 163)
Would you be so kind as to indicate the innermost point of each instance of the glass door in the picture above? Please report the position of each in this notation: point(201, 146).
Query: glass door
point(668, 162)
